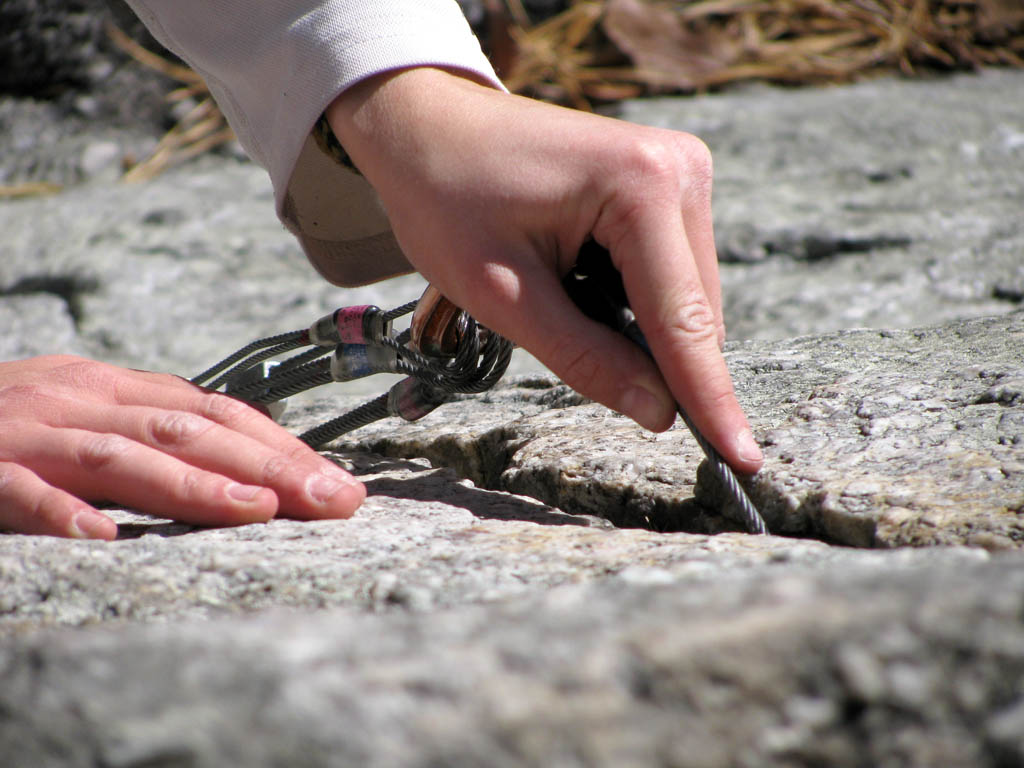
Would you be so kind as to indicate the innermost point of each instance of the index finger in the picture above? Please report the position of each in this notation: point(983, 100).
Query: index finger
point(668, 297)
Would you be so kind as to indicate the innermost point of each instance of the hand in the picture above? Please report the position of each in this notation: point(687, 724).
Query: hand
point(72, 430)
point(491, 196)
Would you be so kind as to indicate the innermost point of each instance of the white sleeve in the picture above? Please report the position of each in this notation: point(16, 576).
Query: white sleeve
point(273, 66)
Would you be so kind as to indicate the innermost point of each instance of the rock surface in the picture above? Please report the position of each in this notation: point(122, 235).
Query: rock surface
point(873, 439)
point(66, 89)
point(887, 204)
point(890, 662)
point(533, 580)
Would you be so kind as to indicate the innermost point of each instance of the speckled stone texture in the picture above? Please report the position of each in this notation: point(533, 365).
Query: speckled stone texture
point(888, 661)
point(873, 439)
point(535, 581)
point(894, 438)
point(886, 204)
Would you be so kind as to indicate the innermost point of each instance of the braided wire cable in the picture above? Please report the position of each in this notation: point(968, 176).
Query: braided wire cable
point(751, 517)
point(310, 381)
point(301, 359)
point(397, 312)
point(462, 372)
point(605, 301)
point(367, 413)
point(255, 359)
point(467, 364)
point(463, 364)
point(494, 362)
point(500, 365)
point(247, 350)
point(475, 368)
point(299, 376)
point(411, 356)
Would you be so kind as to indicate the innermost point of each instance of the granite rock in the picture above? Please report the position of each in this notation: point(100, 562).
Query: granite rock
point(534, 580)
point(884, 204)
point(878, 663)
point(873, 439)
point(65, 88)
point(425, 539)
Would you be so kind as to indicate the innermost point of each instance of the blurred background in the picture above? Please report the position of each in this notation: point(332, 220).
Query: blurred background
point(93, 60)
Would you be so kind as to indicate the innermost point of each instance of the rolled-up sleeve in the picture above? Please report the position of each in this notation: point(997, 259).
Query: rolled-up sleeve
point(273, 66)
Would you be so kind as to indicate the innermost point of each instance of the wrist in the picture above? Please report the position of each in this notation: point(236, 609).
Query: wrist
point(391, 117)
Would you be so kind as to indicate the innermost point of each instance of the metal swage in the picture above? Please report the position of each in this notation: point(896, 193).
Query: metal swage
point(475, 367)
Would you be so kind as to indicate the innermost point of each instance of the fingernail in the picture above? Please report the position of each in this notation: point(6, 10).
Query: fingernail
point(748, 448)
point(643, 407)
point(323, 488)
point(92, 525)
point(240, 492)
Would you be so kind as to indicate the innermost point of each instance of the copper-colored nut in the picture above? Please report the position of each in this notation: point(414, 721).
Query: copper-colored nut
point(437, 325)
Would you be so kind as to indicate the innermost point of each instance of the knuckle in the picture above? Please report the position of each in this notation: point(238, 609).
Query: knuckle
point(274, 469)
point(224, 410)
point(82, 374)
point(298, 451)
point(651, 161)
point(173, 429)
point(46, 510)
point(193, 483)
point(693, 321)
point(679, 156)
point(672, 170)
point(8, 474)
point(29, 505)
point(719, 396)
point(698, 156)
point(99, 452)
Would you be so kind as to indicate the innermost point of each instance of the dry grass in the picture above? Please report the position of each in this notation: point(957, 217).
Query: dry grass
point(606, 50)
point(201, 129)
point(601, 50)
point(28, 189)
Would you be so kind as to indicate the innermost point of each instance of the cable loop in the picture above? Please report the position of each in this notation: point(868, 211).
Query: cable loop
point(430, 380)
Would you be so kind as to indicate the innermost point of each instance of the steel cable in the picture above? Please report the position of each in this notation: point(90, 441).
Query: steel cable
point(605, 301)
point(253, 360)
point(367, 413)
point(247, 350)
point(405, 309)
point(259, 391)
point(474, 368)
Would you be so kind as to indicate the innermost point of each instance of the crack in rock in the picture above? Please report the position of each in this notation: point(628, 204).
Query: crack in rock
point(748, 244)
point(1011, 293)
point(580, 458)
point(872, 440)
